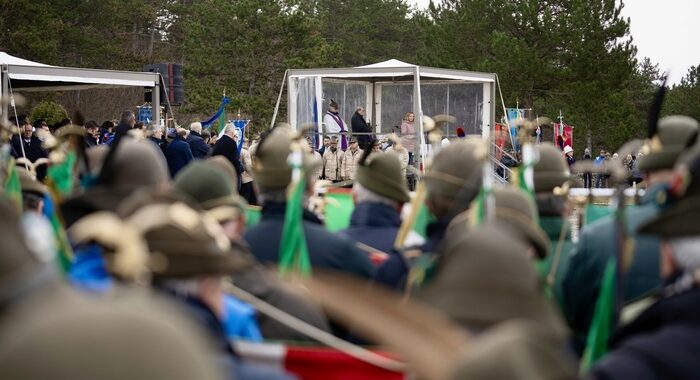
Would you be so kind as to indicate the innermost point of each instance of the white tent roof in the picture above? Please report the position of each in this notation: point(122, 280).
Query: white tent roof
point(33, 76)
point(389, 63)
point(17, 74)
point(395, 70)
point(6, 59)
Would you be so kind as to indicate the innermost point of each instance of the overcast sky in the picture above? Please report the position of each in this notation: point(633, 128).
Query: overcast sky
point(667, 31)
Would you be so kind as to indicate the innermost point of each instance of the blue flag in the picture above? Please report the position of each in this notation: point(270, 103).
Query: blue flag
point(240, 126)
point(514, 114)
point(219, 112)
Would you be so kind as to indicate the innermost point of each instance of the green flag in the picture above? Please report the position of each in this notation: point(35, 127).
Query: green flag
point(603, 319)
point(294, 254)
point(252, 215)
point(338, 209)
point(61, 175)
point(222, 118)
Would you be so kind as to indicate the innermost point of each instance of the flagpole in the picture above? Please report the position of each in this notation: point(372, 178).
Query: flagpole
point(505, 112)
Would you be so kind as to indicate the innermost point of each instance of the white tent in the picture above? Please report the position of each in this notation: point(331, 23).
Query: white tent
point(388, 89)
point(21, 75)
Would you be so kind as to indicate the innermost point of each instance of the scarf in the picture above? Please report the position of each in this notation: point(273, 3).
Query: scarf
point(343, 137)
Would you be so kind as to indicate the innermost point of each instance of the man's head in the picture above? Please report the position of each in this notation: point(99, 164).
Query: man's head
point(379, 180)
point(33, 191)
point(230, 130)
point(602, 152)
point(333, 106)
point(326, 141)
point(155, 131)
point(677, 224)
point(675, 134)
point(516, 213)
point(196, 127)
point(27, 130)
point(333, 143)
point(92, 128)
point(190, 254)
point(271, 169)
point(182, 132)
point(41, 124)
point(211, 187)
point(206, 135)
point(353, 144)
point(454, 178)
point(550, 171)
point(128, 118)
point(361, 111)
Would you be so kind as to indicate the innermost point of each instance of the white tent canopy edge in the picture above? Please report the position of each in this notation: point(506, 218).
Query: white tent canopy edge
point(23, 75)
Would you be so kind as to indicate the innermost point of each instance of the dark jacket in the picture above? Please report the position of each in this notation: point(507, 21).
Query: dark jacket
point(199, 148)
point(394, 272)
point(374, 224)
point(662, 343)
point(259, 282)
point(178, 155)
point(32, 150)
point(120, 131)
point(162, 144)
point(91, 141)
point(227, 147)
point(326, 249)
point(359, 125)
point(589, 257)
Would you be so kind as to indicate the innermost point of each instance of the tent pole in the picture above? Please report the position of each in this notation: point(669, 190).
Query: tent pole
point(3, 92)
point(279, 97)
point(155, 110)
point(318, 87)
point(418, 112)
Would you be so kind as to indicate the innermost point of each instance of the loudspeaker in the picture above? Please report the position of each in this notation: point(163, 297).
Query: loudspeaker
point(173, 81)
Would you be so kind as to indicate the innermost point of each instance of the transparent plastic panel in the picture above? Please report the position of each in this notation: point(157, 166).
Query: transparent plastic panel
point(349, 95)
point(396, 100)
point(306, 101)
point(466, 103)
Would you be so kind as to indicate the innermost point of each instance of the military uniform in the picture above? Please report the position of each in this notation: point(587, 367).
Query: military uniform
point(549, 172)
point(662, 342)
point(332, 164)
point(205, 183)
point(273, 174)
point(598, 241)
point(350, 160)
point(377, 223)
point(454, 180)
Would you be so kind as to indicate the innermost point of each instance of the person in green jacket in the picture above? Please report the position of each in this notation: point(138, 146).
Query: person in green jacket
point(551, 171)
point(598, 241)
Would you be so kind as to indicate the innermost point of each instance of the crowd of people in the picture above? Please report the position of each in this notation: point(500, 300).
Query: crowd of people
point(158, 234)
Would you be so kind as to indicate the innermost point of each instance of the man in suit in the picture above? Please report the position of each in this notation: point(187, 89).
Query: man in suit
point(31, 144)
point(226, 146)
point(199, 147)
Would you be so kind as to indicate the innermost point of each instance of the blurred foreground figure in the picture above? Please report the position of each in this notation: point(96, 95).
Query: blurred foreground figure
point(663, 342)
point(49, 331)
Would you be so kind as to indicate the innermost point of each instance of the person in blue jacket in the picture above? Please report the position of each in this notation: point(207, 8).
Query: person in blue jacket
point(178, 153)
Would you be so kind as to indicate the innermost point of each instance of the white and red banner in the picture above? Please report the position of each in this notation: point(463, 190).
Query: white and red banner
point(313, 362)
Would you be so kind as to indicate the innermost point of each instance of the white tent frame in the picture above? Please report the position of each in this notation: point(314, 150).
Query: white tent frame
point(28, 76)
point(391, 71)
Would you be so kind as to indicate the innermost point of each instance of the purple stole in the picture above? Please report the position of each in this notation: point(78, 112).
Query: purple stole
point(343, 137)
